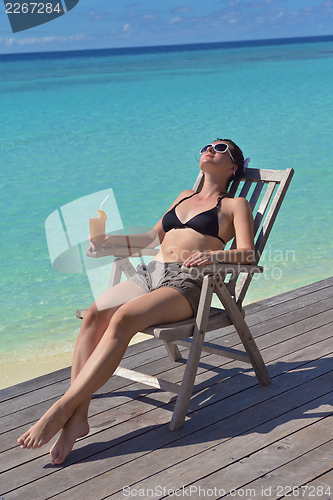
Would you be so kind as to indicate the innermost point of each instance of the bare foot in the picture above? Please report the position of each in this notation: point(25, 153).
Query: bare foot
point(47, 426)
point(76, 427)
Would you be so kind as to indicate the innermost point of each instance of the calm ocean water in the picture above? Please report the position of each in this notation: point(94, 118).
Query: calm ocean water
point(77, 123)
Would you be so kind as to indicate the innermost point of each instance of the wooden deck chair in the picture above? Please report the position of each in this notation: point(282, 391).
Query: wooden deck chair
point(265, 190)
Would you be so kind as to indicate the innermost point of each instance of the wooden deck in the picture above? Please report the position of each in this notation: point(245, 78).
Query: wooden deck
point(257, 443)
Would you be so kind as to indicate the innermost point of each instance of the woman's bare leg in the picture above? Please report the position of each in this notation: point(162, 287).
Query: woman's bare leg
point(92, 329)
point(94, 324)
point(153, 308)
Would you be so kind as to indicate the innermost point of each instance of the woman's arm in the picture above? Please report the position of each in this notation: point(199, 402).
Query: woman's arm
point(151, 239)
point(245, 251)
point(142, 240)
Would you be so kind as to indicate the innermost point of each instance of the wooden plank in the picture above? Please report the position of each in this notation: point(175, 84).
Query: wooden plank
point(246, 419)
point(229, 409)
point(263, 206)
point(199, 182)
point(63, 374)
point(290, 295)
point(290, 312)
point(44, 393)
point(172, 350)
point(293, 296)
point(227, 352)
point(324, 481)
point(30, 413)
point(219, 446)
point(123, 443)
point(245, 189)
point(255, 195)
point(290, 463)
point(285, 331)
point(280, 351)
point(279, 467)
point(156, 382)
point(273, 210)
point(33, 384)
point(270, 311)
point(288, 326)
point(100, 405)
point(274, 322)
point(233, 188)
point(267, 225)
point(265, 175)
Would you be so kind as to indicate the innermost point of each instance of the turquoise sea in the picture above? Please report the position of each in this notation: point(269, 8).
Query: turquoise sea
point(76, 123)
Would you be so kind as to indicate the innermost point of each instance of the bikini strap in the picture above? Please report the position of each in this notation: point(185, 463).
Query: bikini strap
point(219, 199)
point(187, 197)
point(183, 199)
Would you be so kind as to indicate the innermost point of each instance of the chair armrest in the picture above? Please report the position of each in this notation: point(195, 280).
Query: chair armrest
point(223, 268)
point(121, 252)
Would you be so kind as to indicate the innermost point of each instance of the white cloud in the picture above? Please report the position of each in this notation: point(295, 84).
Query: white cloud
point(175, 20)
point(126, 26)
point(181, 9)
point(9, 41)
point(93, 14)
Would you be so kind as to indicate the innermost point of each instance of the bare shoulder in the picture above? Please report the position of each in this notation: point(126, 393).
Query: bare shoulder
point(238, 205)
point(184, 194)
point(181, 196)
point(187, 192)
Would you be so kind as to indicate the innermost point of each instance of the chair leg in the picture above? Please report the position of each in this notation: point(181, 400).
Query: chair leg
point(120, 265)
point(243, 331)
point(116, 271)
point(186, 389)
point(172, 351)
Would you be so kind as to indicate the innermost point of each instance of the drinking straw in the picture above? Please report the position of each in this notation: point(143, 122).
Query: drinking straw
point(103, 202)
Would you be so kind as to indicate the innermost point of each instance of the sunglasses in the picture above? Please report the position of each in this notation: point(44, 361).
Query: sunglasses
point(221, 147)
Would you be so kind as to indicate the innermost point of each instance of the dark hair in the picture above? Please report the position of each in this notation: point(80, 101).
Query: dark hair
point(238, 156)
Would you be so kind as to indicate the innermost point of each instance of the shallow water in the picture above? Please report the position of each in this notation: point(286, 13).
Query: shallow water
point(134, 123)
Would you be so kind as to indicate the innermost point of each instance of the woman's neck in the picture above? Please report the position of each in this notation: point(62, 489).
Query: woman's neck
point(211, 189)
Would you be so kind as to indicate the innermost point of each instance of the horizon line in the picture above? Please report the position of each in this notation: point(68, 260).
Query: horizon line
point(171, 47)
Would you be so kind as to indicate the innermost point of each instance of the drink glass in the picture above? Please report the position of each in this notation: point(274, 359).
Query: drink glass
point(97, 228)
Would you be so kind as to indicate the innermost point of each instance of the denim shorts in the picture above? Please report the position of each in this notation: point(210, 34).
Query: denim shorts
point(158, 274)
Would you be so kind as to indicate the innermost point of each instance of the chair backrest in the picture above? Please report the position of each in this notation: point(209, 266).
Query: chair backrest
point(265, 191)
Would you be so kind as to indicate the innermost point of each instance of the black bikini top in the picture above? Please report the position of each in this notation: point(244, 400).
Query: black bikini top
point(204, 223)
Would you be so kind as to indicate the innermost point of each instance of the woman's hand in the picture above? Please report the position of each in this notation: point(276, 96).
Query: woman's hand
point(92, 247)
point(105, 243)
point(199, 259)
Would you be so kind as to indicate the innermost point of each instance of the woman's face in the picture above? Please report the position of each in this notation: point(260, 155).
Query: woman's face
point(221, 160)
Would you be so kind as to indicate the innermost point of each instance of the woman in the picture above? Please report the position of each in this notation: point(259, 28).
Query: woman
point(192, 233)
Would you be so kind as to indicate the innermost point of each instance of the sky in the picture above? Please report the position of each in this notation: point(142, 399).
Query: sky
point(94, 24)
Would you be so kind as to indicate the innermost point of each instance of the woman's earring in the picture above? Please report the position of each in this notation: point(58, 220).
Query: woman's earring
point(234, 173)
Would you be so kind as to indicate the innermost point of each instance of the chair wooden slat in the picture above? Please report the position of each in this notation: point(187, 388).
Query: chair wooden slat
point(261, 240)
point(263, 205)
point(255, 195)
point(245, 189)
point(233, 188)
point(265, 175)
point(273, 211)
point(253, 200)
